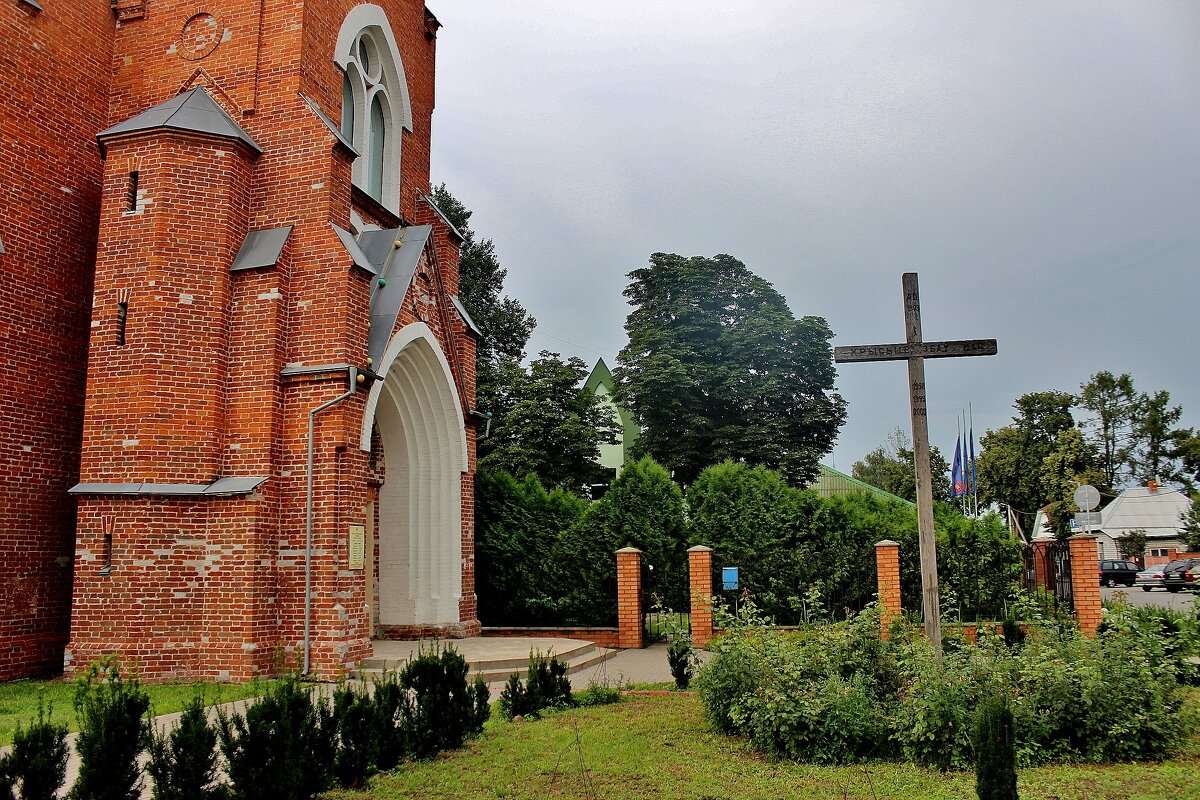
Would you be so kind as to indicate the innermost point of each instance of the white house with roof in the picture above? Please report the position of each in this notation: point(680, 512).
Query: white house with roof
point(1157, 510)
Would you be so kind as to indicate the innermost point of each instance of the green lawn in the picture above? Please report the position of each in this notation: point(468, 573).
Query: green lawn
point(19, 699)
point(660, 747)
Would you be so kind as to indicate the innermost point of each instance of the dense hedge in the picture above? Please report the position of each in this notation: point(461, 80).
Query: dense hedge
point(838, 694)
point(546, 558)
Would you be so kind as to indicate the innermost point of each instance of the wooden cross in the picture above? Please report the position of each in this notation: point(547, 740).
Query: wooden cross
point(915, 351)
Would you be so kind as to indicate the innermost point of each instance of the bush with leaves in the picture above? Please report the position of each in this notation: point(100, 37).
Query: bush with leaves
point(183, 763)
point(836, 693)
point(283, 747)
point(38, 760)
point(681, 658)
point(113, 731)
point(546, 686)
point(446, 710)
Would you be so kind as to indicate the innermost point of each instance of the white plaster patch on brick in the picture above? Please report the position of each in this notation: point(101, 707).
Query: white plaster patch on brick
point(95, 323)
point(151, 283)
point(129, 443)
point(172, 49)
point(274, 294)
point(249, 647)
point(186, 299)
point(182, 595)
point(66, 190)
point(317, 186)
point(86, 555)
point(220, 153)
point(164, 552)
point(143, 562)
point(227, 35)
point(235, 446)
point(287, 473)
point(28, 448)
point(304, 304)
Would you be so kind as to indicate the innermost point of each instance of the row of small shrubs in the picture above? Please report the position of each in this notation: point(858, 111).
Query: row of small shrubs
point(546, 687)
point(838, 694)
point(288, 744)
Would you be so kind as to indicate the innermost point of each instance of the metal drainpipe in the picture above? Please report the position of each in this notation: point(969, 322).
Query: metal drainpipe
point(352, 375)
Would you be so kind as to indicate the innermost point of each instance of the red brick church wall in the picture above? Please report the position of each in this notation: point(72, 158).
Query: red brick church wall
point(53, 99)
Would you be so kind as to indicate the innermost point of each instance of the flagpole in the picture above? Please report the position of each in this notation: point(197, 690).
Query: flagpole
point(974, 488)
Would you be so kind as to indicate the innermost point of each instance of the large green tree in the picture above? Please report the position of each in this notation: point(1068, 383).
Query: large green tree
point(1010, 467)
point(891, 467)
point(717, 368)
point(547, 426)
point(504, 324)
point(1154, 433)
point(1112, 402)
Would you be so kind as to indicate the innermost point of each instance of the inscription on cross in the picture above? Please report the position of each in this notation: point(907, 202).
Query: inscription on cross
point(915, 351)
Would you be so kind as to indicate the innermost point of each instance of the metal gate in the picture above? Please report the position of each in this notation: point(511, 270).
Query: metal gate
point(1053, 562)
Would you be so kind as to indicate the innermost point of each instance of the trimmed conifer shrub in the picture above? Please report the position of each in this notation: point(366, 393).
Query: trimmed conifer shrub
point(284, 746)
point(358, 737)
point(113, 731)
point(681, 658)
point(393, 712)
point(445, 708)
point(995, 750)
point(38, 761)
point(546, 686)
point(183, 763)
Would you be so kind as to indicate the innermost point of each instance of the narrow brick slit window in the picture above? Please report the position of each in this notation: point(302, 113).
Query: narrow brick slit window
point(132, 197)
point(122, 316)
point(106, 556)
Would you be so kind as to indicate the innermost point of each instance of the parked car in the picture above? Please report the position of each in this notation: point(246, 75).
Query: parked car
point(1150, 579)
point(1114, 572)
point(1182, 573)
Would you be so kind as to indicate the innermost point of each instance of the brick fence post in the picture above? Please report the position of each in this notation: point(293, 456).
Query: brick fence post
point(887, 569)
point(1085, 582)
point(700, 579)
point(630, 620)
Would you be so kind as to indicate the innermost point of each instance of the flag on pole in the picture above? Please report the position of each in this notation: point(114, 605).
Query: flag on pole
point(958, 489)
point(971, 480)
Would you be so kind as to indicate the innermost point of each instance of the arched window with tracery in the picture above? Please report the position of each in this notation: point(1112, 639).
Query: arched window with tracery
point(375, 101)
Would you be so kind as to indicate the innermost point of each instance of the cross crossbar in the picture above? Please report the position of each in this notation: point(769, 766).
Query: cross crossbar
point(906, 350)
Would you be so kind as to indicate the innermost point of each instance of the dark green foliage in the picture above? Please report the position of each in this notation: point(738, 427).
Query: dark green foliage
point(518, 524)
point(283, 747)
point(718, 368)
point(393, 722)
point(38, 761)
point(544, 425)
point(546, 686)
point(995, 753)
point(682, 660)
point(358, 736)
point(113, 731)
point(643, 508)
point(890, 467)
point(597, 695)
point(1014, 636)
point(1009, 466)
point(183, 764)
point(445, 708)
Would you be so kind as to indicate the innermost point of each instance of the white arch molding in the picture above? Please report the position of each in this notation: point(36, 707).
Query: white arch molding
point(382, 79)
point(415, 408)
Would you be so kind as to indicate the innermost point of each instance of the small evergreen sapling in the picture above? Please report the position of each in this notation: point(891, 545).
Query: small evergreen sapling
point(113, 731)
point(681, 657)
point(354, 715)
point(995, 750)
point(546, 686)
point(38, 761)
point(183, 763)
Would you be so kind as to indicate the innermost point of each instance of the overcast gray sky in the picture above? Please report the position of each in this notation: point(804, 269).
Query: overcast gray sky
point(1037, 163)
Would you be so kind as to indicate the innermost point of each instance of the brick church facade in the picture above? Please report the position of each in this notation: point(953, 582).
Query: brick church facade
point(238, 425)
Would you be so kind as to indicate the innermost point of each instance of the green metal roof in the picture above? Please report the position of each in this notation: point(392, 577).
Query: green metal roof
point(831, 483)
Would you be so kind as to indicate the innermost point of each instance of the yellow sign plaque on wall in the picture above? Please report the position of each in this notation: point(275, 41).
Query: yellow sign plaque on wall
point(358, 546)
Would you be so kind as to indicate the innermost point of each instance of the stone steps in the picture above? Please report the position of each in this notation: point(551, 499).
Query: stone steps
point(578, 655)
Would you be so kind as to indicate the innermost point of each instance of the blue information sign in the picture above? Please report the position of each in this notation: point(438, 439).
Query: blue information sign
point(729, 578)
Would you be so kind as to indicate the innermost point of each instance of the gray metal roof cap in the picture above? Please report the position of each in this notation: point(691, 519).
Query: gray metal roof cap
point(462, 312)
point(334, 129)
point(193, 111)
point(219, 487)
point(261, 249)
point(398, 274)
point(351, 244)
point(235, 485)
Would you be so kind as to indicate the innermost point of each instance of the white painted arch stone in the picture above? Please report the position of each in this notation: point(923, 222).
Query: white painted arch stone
point(415, 407)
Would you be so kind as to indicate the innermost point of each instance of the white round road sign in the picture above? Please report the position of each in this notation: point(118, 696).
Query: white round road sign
point(1087, 497)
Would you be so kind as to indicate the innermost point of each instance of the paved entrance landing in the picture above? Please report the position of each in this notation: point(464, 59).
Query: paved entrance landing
point(493, 658)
